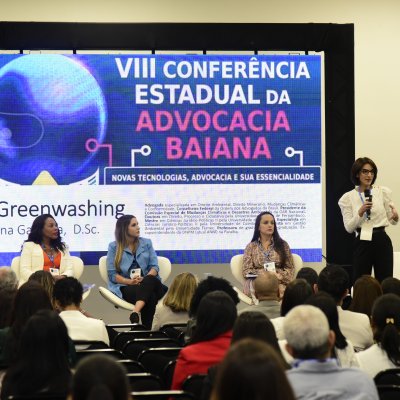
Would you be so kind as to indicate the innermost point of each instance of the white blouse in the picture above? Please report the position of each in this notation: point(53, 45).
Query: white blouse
point(381, 213)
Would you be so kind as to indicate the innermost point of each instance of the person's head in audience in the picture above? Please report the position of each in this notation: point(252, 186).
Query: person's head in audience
point(100, 377)
point(41, 364)
point(327, 305)
point(216, 315)
point(42, 228)
point(208, 285)
point(180, 292)
point(391, 285)
point(8, 290)
point(335, 281)
point(296, 293)
point(68, 294)
point(256, 325)
point(386, 325)
point(30, 298)
point(251, 370)
point(365, 291)
point(266, 286)
point(46, 279)
point(310, 275)
point(307, 333)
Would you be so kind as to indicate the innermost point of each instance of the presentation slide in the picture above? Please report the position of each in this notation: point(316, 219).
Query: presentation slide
point(195, 146)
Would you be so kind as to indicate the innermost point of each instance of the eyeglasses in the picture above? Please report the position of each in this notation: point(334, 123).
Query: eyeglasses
point(368, 172)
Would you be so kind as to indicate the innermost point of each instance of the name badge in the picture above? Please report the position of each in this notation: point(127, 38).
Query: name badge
point(366, 231)
point(135, 272)
point(270, 266)
point(54, 271)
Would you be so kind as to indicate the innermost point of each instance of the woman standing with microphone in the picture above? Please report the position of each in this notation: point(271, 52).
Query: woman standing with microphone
point(367, 210)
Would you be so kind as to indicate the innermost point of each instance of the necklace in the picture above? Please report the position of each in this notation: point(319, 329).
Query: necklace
point(50, 253)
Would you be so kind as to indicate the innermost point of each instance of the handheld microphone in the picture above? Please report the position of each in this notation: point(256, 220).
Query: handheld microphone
point(368, 196)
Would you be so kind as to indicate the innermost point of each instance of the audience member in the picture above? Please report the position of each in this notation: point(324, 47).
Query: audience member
point(249, 324)
point(310, 275)
point(41, 365)
point(206, 286)
point(314, 374)
point(30, 298)
point(342, 350)
point(296, 293)
point(256, 325)
point(67, 298)
point(216, 315)
point(174, 306)
point(366, 290)
point(46, 279)
point(252, 370)
point(8, 290)
point(391, 285)
point(385, 353)
point(100, 377)
point(266, 290)
point(335, 281)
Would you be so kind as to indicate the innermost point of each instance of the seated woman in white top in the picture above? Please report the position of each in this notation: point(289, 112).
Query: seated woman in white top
point(44, 250)
point(174, 306)
point(385, 353)
point(343, 349)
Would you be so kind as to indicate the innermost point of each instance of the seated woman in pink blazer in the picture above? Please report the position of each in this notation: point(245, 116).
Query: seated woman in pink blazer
point(44, 250)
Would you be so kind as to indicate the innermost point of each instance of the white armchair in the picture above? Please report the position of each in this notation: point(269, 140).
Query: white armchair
point(77, 265)
point(165, 271)
point(236, 269)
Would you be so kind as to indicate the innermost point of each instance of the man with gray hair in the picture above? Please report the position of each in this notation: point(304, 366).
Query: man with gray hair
point(266, 290)
point(315, 375)
point(8, 289)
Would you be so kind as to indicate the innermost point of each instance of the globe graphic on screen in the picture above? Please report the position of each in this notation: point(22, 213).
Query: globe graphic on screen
point(50, 105)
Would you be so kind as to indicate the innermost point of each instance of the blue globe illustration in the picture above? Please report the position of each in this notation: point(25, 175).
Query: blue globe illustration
point(50, 105)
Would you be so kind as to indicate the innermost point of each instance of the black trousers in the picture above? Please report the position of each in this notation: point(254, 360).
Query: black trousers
point(150, 290)
point(377, 253)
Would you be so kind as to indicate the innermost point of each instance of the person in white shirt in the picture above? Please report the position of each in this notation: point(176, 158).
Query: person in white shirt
point(385, 353)
point(67, 298)
point(356, 327)
point(367, 210)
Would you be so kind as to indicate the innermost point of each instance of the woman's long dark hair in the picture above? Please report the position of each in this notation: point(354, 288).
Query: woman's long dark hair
point(252, 370)
point(100, 377)
point(327, 305)
point(256, 325)
point(216, 315)
point(279, 243)
point(36, 233)
point(30, 298)
point(296, 293)
point(41, 365)
point(386, 325)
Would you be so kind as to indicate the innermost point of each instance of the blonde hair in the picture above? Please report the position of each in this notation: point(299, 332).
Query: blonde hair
point(46, 280)
point(181, 291)
point(121, 232)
